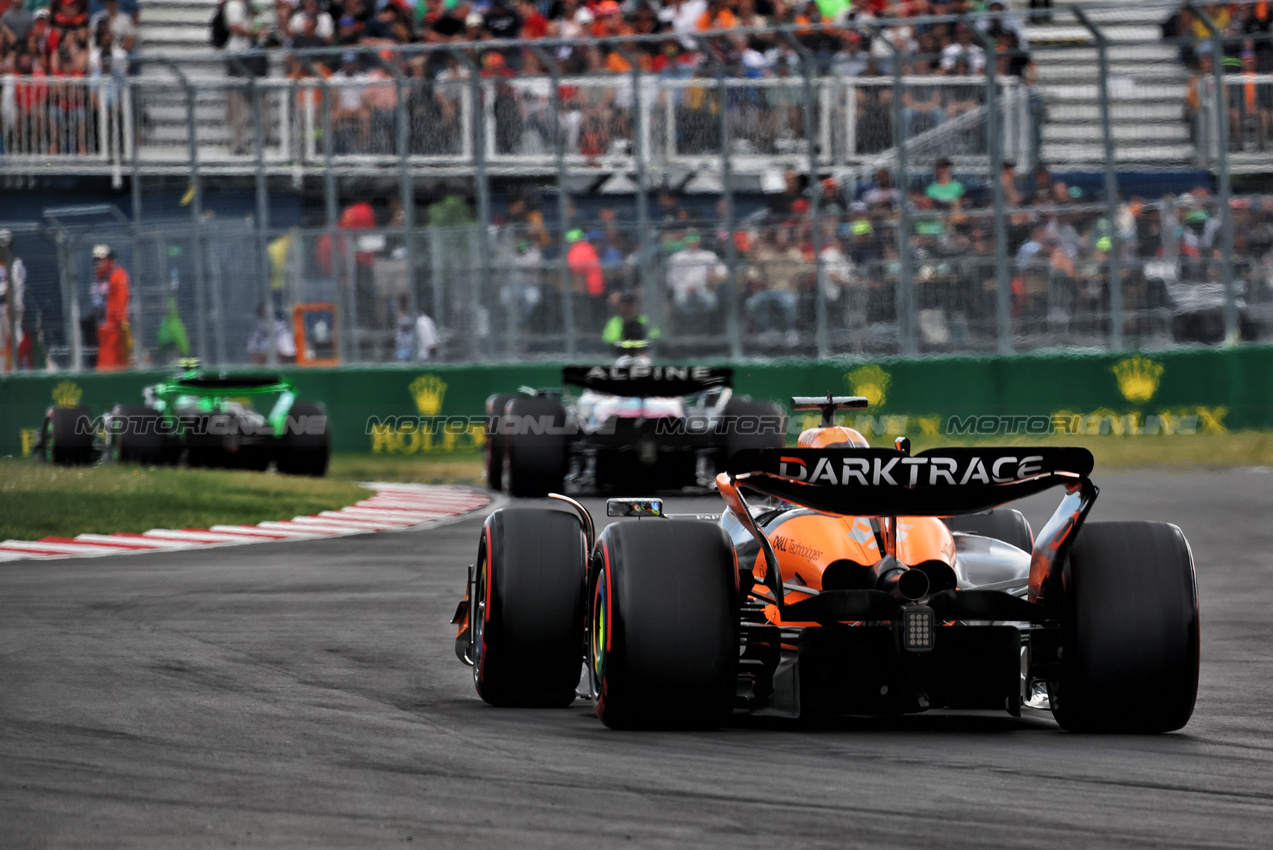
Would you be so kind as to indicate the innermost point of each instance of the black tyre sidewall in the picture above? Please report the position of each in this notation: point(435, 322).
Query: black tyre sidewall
point(731, 439)
point(139, 439)
point(668, 657)
point(1131, 633)
point(70, 448)
point(535, 464)
point(493, 451)
point(533, 566)
point(301, 452)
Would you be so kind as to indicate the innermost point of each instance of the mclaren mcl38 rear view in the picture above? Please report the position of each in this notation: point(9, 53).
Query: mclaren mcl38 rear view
point(868, 582)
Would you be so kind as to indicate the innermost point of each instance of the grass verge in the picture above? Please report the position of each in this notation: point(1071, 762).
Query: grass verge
point(1244, 448)
point(440, 468)
point(38, 501)
point(41, 501)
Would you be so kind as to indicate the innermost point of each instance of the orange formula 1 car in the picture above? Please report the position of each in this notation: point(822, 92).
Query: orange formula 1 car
point(878, 582)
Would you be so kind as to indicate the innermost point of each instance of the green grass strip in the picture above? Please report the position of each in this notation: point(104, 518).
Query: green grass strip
point(41, 501)
point(1245, 448)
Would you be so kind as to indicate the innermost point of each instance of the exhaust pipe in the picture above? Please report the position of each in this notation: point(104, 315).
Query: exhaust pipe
point(898, 580)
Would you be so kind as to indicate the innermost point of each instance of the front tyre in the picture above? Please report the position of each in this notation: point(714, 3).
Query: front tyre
point(1130, 638)
point(528, 608)
point(663, 625)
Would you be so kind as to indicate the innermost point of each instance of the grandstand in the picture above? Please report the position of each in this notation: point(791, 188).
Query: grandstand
point(1147, 84)
point(1146, 87)
point(833, 185)
point(179, 30)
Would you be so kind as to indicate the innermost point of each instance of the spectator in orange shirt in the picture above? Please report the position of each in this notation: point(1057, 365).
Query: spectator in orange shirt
point(584, 264)
point(110, 306)
point(717, 17)
point(609, 20)
point(587, 283)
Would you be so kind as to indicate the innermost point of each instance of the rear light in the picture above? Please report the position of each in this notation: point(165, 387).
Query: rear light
point(919, 628)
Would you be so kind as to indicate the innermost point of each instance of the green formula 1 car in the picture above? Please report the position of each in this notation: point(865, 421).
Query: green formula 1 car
point(207, 417)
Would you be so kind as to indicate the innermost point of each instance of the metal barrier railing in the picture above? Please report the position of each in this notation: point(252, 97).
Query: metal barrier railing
point(941, 278)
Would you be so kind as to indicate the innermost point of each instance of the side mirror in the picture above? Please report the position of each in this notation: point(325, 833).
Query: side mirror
point(634, 507)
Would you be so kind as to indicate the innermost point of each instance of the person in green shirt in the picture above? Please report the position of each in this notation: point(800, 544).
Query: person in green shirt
point(628, 325)
point(945, 190)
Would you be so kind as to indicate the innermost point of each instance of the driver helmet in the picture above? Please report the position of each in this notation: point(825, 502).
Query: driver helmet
point(630, 360)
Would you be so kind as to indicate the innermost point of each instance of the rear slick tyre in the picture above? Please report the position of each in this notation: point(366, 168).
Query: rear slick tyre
point(535, 453)
point(137, 431)
point(72, 441)
point(663, 625)
point(493, 453)
point(306, 445)
point(749, 424)
point(1130, 633)
point(528, 608)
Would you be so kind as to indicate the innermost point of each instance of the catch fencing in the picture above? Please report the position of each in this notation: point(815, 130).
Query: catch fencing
point(794, 209)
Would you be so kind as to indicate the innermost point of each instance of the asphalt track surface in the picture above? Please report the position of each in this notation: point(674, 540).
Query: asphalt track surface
point(307, 695)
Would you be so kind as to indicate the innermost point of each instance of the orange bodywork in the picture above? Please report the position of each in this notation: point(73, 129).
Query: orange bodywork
point(808, 542)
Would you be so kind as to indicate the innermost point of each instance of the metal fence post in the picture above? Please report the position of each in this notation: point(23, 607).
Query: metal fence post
point(1222, 172)
point(815, 195)
point(70, 301)
point(127, 129)
point(196, 220)
point(128, 142)
point(1003, 291)
point(1111, 184)
point(262, 188)
point(406, 194)
point(482, 178)
point(640, 160)
point(563, 202)
point(904, 297)
point(732, 311)
point(331, 210)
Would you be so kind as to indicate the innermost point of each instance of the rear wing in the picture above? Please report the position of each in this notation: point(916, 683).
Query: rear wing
point(647, 381)
point(211, 384)
point(224, 381)
point(888, 482)
point(938, 482)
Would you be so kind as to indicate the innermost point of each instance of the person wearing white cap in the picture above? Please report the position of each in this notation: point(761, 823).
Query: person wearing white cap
point(13, 277)
point(110, 306)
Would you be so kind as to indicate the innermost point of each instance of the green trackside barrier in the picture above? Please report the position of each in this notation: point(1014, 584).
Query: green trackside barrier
point(417, 408)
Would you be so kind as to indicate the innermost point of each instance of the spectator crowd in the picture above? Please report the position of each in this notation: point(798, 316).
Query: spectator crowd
point(765, 270)
point(677, 40)
point(60, 61)
point(1245, 60)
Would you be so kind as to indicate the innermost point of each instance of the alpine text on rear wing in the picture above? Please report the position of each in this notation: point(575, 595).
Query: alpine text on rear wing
point(646, 380)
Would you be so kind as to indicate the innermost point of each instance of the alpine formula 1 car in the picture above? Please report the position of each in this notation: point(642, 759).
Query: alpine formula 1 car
point(877, 583)
point(634, 425)
point(206, 417)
